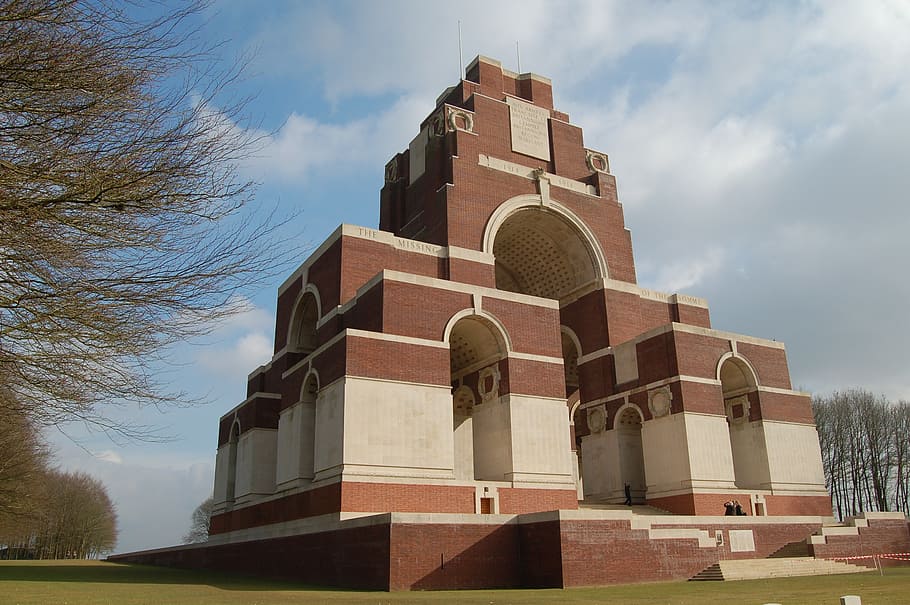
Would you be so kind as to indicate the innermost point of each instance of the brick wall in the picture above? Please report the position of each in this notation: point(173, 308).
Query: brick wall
point(399, 497)
point(448, 556)
point(318, 501)
point(352, 558)
point(798, 505)
point(515, 500)
point(882, 536)
point(785, 407)
point(698, 355)
point(372, 358)
point(409, 555)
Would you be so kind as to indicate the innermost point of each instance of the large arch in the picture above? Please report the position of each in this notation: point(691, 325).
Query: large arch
point(739, 385)
point(542, 249)
point(477, 344)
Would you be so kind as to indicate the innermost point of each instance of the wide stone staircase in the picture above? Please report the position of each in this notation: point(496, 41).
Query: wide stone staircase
point(777, 567)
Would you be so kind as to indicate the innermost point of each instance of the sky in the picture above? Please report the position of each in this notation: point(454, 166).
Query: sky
point(760, 150)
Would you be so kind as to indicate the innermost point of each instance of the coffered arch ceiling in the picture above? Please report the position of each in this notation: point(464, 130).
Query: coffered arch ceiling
point(539, 253)
point(473, 342)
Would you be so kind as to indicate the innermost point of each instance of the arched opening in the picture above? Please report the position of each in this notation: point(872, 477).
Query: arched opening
point(750, 461)
point(539, 252)
point(476, 348)
point(308, 396)
point(574, 405)
point(631, 455)
point(303, 324)
point(233, 443)
point(570, 354)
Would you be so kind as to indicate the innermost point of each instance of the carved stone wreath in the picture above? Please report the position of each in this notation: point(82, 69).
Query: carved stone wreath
point(489, 374)
point(597, 419)
point(597, 162)
point(659, 401)
point(466, 117)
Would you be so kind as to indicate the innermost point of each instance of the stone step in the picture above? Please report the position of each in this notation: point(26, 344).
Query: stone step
point(754, 569)
point(793, 549)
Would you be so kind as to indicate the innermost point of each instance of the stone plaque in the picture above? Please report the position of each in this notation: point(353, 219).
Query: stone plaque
point(418, 155)
point(530, 131)
point(742, 540)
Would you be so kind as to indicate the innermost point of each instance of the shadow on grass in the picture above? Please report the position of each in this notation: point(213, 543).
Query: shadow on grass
point(128, 573)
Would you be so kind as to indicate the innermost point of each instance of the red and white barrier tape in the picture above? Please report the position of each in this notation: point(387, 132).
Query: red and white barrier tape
point(897, 556)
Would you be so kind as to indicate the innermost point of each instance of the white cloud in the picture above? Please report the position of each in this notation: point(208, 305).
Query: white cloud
point(109, 456)
point(304, 145)
point(154, 488)
point(245, 353)
point(248, 316)
point(686, 273)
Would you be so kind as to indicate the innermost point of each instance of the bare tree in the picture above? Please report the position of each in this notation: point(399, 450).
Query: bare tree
point(900, 435)
point(23, 459)
point(73, 518)
point(865, 443)
point(124, 224)
point(199, 527)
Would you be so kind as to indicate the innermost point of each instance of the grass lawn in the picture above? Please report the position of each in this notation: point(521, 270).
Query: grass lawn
point(100, 583)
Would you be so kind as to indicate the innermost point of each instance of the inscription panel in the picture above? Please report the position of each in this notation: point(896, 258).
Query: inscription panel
point(742, 540)
point(398, 242)
point(530, 131)
point(531, 173)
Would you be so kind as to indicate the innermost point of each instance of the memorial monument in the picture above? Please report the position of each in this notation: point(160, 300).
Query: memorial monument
point(487, 349)
point(457, 398)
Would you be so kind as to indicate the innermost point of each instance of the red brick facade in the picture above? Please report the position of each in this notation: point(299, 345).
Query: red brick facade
point(502, 275)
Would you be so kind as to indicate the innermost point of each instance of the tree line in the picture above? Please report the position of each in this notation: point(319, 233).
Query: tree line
point(47, 513)
point(865, 445)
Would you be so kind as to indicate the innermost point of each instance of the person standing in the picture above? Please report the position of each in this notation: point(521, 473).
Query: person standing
point(628, 490)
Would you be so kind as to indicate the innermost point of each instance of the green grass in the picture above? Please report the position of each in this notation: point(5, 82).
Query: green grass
point(100, 583)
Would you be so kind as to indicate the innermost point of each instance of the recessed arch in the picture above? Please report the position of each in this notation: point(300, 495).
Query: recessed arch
point(736, 371)
point(627, 424)
point(477, 344)
point(542, 249)
point(738, 383)
point(233, 445)
point(570, 333)
point(498, 327)
point(625, 411)
point(304, 319)
point(573, 402)
point(571, 351)
point(309, 388)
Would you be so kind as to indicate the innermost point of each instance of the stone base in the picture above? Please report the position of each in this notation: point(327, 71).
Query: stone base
point(409, 551)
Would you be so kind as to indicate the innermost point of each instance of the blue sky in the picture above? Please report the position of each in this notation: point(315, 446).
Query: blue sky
point(760, 151)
